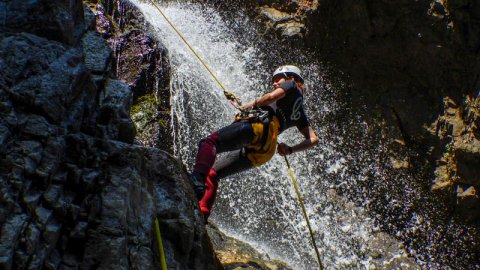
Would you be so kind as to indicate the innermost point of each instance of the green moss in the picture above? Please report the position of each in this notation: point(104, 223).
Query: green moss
point(162, 123)
point(147, 102)
point(143, 111)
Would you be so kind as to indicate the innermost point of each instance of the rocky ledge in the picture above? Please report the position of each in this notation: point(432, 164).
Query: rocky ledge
point(236, 255)
point(457, 169)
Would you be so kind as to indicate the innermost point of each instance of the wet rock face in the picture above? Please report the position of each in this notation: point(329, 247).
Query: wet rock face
point(286, 20)
point(458, 169)
point(403, 58)
point(60, 20)
point(142, 63)
point(278, 20)
point(234, 254)
point(283, 24)
point(74, 191)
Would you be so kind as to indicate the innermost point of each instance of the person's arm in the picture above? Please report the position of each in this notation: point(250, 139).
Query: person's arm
point(266, 99)
point(310, 141)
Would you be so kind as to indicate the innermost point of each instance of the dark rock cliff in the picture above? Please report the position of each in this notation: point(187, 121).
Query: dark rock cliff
point(74, 191)
point(404, 59)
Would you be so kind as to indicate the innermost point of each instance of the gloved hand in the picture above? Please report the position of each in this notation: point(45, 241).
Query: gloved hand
point(284, 149)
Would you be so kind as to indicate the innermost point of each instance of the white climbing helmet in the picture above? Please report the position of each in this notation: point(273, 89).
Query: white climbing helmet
point(288, 70)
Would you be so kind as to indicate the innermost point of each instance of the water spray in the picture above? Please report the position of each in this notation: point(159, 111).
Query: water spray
point(300, 200)
point(234, 100)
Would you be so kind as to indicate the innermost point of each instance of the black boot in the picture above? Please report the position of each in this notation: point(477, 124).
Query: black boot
point(198, 181)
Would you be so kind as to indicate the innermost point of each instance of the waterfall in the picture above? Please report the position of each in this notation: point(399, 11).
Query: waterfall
point(260, 206)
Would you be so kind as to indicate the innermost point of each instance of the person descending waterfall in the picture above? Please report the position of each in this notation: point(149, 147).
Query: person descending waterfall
point(251, 140)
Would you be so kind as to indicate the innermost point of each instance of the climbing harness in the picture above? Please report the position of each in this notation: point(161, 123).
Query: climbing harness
point(254, 114)
point(264, 144)
point(234, 100)
point(295, 186)
point(265, 125)
point(161, 251)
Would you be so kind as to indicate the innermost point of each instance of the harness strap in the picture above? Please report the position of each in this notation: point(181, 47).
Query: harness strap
point(263, 141)
point(266, 125)
point(258, 115)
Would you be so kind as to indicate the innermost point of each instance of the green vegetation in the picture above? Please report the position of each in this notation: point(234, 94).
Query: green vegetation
point(144, 111)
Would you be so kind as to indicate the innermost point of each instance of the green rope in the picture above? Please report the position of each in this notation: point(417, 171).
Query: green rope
point(161, 251)
point(229, 95)
point(295, 186)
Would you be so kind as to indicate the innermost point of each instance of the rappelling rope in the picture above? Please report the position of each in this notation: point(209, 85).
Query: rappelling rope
point(229, 95)
point(161, 251)
point(295, 186)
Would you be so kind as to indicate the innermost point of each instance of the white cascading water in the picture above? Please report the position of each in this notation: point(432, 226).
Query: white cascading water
point(259, 206)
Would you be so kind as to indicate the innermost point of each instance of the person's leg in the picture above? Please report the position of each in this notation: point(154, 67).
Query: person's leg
point(232, 163)
point(211, 186)
point(238, 160)
point(229, 138)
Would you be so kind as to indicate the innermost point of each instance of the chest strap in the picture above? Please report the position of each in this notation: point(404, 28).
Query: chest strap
point(266, 125)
